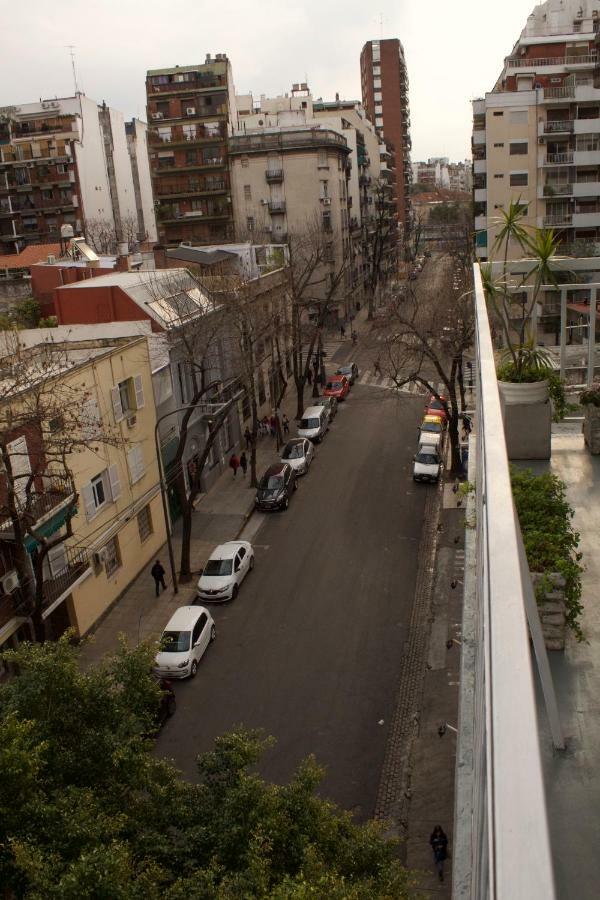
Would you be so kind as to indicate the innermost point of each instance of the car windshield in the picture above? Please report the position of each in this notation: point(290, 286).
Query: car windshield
point(436, 404)
point(345, 370)
point(431, 426)
point(293, 451)
point(333, 385)
point(218, 567)
point(427, 459)
point(175, 641)
point(309, 423)
point(272, 483)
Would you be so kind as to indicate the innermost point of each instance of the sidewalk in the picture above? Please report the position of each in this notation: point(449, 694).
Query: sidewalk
point(221, 515)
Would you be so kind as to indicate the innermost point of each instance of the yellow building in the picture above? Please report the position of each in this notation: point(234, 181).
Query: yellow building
point(118, 525)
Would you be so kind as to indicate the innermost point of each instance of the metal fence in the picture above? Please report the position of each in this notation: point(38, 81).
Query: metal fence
point(501, 840)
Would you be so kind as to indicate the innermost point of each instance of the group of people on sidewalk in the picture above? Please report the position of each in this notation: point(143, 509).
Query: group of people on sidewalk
point(266, 426)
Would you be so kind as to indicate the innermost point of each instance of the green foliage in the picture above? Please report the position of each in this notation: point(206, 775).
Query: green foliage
point(445, 213)
point(550, 540)
point(590, 397)
point(86, 810)
point(24, 314)
point(534, 364)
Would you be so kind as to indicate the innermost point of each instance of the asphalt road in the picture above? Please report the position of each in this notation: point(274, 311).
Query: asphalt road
point(311, 649)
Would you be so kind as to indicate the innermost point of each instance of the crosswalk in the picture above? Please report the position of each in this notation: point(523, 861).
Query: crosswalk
point(384, 382)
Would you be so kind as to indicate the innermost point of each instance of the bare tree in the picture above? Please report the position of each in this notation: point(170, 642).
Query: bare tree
point(101, 235)
point(382, 233)
point(130, 230)
point(46, 418)
point(427, 341)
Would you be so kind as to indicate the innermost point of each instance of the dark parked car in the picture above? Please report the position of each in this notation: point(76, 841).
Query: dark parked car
point(276, 487)
point(350, 371)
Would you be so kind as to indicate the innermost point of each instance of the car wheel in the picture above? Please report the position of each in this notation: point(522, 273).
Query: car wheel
point(213, 633)
point(194, 669)
point(235, 591)
point(286, 503)
point(296, 484)
point(171, 706)
point(251, 563)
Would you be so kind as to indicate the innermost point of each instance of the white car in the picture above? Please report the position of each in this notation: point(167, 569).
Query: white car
point(184, 641)
point(225, 570)
point(299, 453)
point(427, 464)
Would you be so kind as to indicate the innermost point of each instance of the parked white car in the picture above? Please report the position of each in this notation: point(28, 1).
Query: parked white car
point(184, 641)
point(427, 464)
point(225, 570)
point(299, 453)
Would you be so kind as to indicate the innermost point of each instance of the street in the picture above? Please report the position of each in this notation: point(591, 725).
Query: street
point(311, 649)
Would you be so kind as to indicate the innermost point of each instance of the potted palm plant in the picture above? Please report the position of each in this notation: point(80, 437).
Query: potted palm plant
point(527, 380)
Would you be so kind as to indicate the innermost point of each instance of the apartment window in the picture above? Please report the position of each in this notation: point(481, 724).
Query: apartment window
point(250, 223)
point(245, 162)
point(518, 148)
point(517, 117)
point(324, 189)
point(498, 113)
point(191, 156)
point(326, 220)
point(378, 97)
point(322, 159)
point(47, 195)
point(499, 144)
point(61, 168)
point(500, 175)
point(247, 192)
point(98, 491)
point(144, 521)
point(189, 132)
point(518, 179)
point(113, 558)
point(376, 83)
point(102, 489)
point(127, 396)
point(135, 463)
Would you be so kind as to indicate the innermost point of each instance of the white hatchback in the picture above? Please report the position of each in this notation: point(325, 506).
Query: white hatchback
point(184, 641)
point(299, 453)
point(225, 570)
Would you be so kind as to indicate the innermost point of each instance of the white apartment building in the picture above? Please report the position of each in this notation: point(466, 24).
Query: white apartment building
point(536, 135)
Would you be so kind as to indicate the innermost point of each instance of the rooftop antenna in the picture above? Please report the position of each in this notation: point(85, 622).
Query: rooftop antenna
point(71, 49)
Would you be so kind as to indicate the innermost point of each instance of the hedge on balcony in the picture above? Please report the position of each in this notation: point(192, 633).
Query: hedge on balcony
point(551, 542)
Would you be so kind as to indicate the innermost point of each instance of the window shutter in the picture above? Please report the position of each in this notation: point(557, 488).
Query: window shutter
point(135, 461)
point(139, 392)
point(115, 484)
point(57, 559)
point(88, 500)
point(91, 419)
point(21, 466)
point(115, 396)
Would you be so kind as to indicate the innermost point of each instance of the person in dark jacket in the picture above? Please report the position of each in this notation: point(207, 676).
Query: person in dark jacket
point(439, 845)
point(244, 462)
point(248, 437)
point(158, 573)
point(234, 464)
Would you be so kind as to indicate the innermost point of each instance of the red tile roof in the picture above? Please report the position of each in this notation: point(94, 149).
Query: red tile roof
point(33, 254)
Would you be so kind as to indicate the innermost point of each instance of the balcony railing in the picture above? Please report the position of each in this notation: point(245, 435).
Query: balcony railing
point(501, 836)
point(196, 84)
point(276, 206)
point(526, 62)
point(183, 188)
point(77, 561)
point(274, 176)
point(559, 159)
point(558, 219)
point(558, 125)
point(41, 500)
point(559, 93)
point(285, 140)
point(552, 189)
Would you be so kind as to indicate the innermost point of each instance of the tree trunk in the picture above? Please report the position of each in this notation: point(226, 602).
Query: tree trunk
point(254, 408)
point(461, 384)
point(185, 568)
point(299, 397)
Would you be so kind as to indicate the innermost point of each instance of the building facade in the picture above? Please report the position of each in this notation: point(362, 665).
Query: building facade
point(137, 147)
point(65, 162)
point(384, 81)
point(191, 111)
point(536, 135)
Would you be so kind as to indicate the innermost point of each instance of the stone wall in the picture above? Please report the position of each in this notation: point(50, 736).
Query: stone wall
point(591, 428)
point(12, 290)
point(552, 609)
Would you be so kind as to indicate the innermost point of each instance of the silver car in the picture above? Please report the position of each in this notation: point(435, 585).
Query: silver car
point(330, 404)
point(298, 453)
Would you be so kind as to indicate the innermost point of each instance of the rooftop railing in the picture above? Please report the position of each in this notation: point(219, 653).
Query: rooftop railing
point(531, 62)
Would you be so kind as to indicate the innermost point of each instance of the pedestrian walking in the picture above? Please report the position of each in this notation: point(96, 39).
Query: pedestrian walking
point(273, 426)
point(439, 846)
point(309, 375)
point(286, 424)
point(342, 331)
point(354, 337)
point(158, 573)
point(234, 464)
point(264, 426)
point(244, 462)
point(248, 438)
point(377, 366)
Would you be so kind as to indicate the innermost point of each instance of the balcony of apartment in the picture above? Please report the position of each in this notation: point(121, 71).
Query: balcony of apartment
point(579, 61)
point(480, 223)
point(65, 127)
point(587, 217)
point(556, 126)
point(480, 195)
point(183, 189)
point(274, 176)
point(45, 505)
point(556, 189)
point(178, 137)
point(558, 159)
point(191, 112)
point(74, 564)
point(193, 85)
point(478, 137)
point(300, 139)
point(213, 162)
point(587, 126)
point(558, 220)
point(276, 207)
point(168, 215)
point(480, 166)
point(6, 211)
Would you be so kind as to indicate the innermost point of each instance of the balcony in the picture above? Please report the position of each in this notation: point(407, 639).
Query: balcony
point(44, 503)
point(556, 189)
point(559, 126)
point(308, 138)
point(274, 176)
point(559, 159)
point(189, 189)
point(209, 163)
point(276, 207)
point(193, 215)
point(558, 220)
point(193, 85)
point(75, 563)
point(526, 62)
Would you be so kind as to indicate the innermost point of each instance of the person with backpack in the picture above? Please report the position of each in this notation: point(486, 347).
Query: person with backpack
point(439, 846)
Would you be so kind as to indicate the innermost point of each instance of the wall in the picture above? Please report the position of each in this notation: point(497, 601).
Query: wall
point(139, 146)
point(122, 164)
point(88, 305)
point(45, 279)
point(91, 165)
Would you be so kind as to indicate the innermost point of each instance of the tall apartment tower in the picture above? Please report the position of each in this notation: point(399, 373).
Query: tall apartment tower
point(536, 135)
point(384, 81)
point(190, 114)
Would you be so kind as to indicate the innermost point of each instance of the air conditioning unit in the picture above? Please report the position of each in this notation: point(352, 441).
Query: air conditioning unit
point(190, 111)
point(100, 557)
point(131, 420)
point(51, 259)
point(185, 244)
point(157, 115)
point(264, 202)
point(10, 582)
point(326, 201)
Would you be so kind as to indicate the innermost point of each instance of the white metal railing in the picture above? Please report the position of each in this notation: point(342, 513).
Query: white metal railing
point(531, 62)
point(559, 159)
point(501, 840)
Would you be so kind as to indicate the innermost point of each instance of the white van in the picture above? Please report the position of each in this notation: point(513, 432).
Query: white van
point(427, 464)
point(314, 423)
point(188, 633)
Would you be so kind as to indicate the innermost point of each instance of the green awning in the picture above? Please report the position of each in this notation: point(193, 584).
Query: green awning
point(50, 527)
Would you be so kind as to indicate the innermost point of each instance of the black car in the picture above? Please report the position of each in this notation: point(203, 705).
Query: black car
point(276, 487)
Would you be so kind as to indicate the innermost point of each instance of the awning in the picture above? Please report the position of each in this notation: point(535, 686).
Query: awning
point(50, 527)
point(582, 308)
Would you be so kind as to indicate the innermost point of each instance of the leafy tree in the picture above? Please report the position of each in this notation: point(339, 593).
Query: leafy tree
point(98, 815)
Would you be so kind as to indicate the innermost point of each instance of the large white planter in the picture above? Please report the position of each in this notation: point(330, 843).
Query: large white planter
point(527, 414)
point(591, 428)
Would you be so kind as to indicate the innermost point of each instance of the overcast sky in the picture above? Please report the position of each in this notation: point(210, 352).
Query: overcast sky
point(454, 51)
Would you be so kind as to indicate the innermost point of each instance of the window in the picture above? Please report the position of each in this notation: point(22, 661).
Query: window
point(144, 520)
point(500, 144)
point(102, 489)
point(376, 70)
point(501, 175)
point(127, 396)
point(518, 148)
point(113, 558)
point(61, 168)
point(376, 83)
point(245, 162)
point(191, 156)
point(324, 189)
point(135, 463)
point(517, 117)
point(47, 195)
point(379, 121)
point(498, 113)
point(322, 159)
point(378, 97)
point(518, 179)
point(378, 109)
point(250, 223)
point(247, 192)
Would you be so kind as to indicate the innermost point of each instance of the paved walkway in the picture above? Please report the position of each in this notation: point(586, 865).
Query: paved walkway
point(220, 516)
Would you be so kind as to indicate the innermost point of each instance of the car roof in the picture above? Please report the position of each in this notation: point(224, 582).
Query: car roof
point(226, 550)
point(428, 448)
point(436, 419)
point(184, 618)
point(311, 411)
point(293, 441)
point(347, 367)
point(275, 469)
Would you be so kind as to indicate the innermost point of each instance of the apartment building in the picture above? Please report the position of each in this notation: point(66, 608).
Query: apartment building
point(439, 172)
point(384, 81)
point(136, 132)
point(65, 162)
point(191, 111)
point(536, 134)
point(108, 493)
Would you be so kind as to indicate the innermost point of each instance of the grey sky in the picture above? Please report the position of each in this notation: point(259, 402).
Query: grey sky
point(454, 51)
